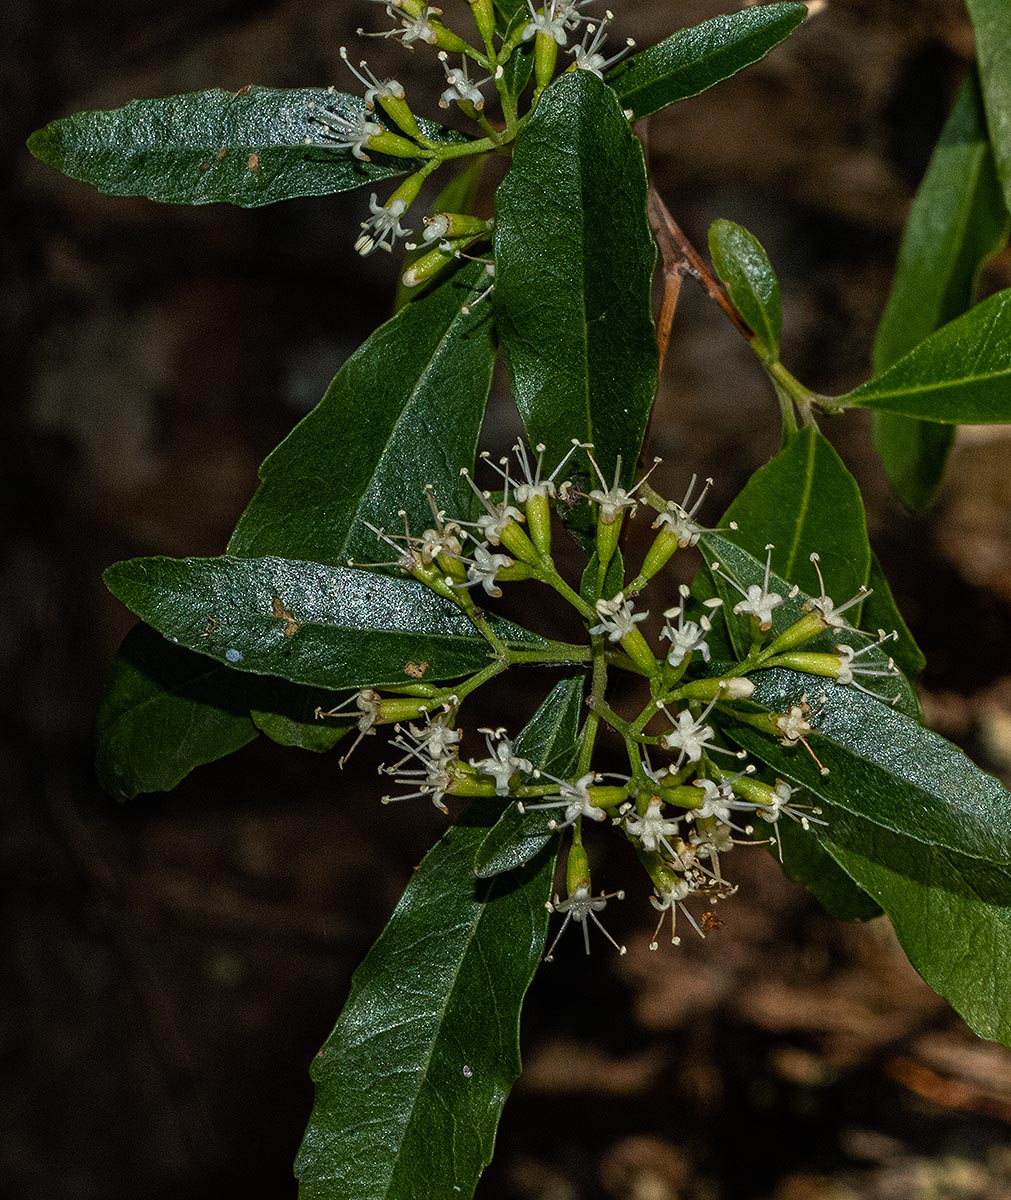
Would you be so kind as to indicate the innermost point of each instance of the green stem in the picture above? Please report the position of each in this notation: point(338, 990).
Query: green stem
point(554, 652)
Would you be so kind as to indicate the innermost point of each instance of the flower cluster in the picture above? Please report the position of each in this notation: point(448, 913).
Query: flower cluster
point(383, 122)
point(689, 794)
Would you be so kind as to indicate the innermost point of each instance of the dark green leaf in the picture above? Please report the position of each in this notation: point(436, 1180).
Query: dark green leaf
point(741, 262)
point(804, 501)
point(352, 628)
point(746, 571)
point(953, 919)
point(247, 148)
point(692, 60)
point(806, 861)
point(920, 828)
point(166, 711)
point(379, 435)
point(991, 20)
point(291, 718)
point(884, 769)
point(957, 219)
point(880, 612)
point(411, 1083)
point(614, 577)
point(549, 742)
point(574, 265)
point(961, 373)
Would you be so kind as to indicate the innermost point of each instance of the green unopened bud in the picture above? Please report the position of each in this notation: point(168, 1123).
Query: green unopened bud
point(538, 512)
point(828, 665)
point(545, 58)
point(399, 111)
point(684, 796)
point(447, 40)
point(515, 571)
point(441, 226)
point(427, 267)
point(577, 869)
point(608, 533)
point(484, 19)
point(515, 540)
point(637, 649)
point(432, 577)
point(393, 145)
point(660, 553)
point(398, 709)
point(736, 687)
point(607, 796)
point(809, 626)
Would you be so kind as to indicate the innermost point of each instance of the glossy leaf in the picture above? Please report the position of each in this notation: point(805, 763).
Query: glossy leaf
point(379, 435)
point(166, 711)
point(694, 59)
point(805, 860)
point(881, 612)
point(344, 628)
point(952, 918)
point(291, 720)
point(574, 265)
point(991, 20)
point(247, 148)
point(920, 828)
point(548, 741)
point(957, 219)
point(743, 266)
point(960, 374)
point(746, 570)
point(804, 501)
point(411, 1083)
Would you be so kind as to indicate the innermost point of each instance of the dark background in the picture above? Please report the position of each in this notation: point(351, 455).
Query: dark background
point(170, 966)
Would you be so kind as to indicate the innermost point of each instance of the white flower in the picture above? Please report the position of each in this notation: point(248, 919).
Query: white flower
point(692, 736)
point(497, 516)
point(347, 134)
point(580, 905)
point(653, 829)
point(588, 56)
point(679, 519)
point(382, 229)
point(720, 800)
point(670, 900)
point(573, 797)
point(687, 637)
point(615, 499)
point(794, 725)
point(367, 702)
point(823, 604)
point(375, 88)
point(460, 85)
point(553, 20)
point(780, 804)
point(532, 482)
point(616, 618)
point(501, 764)
point(484, 566)
point(758, 602)
point(850, 672)
point(411, 29)
point(433, 747)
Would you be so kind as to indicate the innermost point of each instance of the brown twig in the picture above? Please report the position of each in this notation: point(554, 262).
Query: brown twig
point(680, 258)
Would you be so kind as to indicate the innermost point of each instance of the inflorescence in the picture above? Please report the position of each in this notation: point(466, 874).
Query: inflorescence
point(688, 795)
point(383, 122)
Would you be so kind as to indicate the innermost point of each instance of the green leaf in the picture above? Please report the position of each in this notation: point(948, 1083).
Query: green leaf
point(919, 827)
point(411, 1083)
point(592, 588)
point(694, 59)
point(806, 861)
point(881, 612)
point(246, 148)
point(742, 264)
point(379, 435)
point(746, 571)
point(352, 628)
point(952, 918)
point(804, 501)
point(549, 742)
point(957, 219)
point(574, 264)
point(519, 66)
point(961, 373)
point(991, 20)
point(291, 720)
point(165, 712)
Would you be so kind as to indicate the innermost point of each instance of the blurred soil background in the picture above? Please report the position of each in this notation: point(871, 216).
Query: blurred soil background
point(170, 966)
